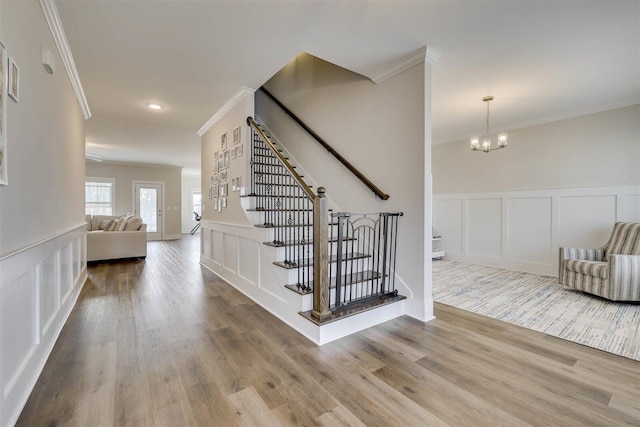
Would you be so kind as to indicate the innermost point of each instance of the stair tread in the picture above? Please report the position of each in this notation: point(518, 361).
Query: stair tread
point(289, 225)
point(357, 308)
point(280, 185)
point(347, 279)
point(278, 210)
point(274, 197)
point(310, 242)
point(334, 258)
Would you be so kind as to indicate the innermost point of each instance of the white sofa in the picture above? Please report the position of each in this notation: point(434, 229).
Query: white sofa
point(106, 245)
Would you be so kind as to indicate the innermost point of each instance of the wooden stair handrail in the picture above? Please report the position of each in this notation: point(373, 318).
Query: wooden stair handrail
point(282, 159)
point(379, 193)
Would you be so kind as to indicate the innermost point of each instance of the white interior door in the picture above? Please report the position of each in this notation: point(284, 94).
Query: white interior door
point(148, 205)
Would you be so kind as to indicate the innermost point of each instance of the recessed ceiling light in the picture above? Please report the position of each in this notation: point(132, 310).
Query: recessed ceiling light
point(155, 106)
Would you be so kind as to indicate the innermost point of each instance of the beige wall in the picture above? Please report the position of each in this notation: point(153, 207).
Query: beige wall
point(379, 128)
point(596, 150)
point(45, 138)
point(125, 174)
point(211, 142)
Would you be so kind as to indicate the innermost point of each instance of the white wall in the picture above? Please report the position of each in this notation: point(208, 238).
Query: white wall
point(126, 173)
point(380, 129)
point(558, 184)
point(42, 231)
point(189, 184)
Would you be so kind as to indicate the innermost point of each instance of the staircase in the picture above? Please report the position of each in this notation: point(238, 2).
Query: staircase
point(345, 260)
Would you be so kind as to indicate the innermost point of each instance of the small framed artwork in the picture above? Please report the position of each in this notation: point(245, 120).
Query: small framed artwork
point(233, 153)
point(216, 178)
point(224, 190)
point(220, 164)
point(235, 184)
point(213, 179)
point(3, 116)
point(14, 79)
point(239, 150)
point(216, 155)
point(216, 166)
point(224, 202)
point(223, 141)
point(211, 192)
point(236, 135)
point(214, 191)
point(223, 176)
point(215, 204)
point(226, 159)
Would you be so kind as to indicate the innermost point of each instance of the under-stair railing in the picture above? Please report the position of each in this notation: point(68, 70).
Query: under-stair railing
point(366, 181)
point(365, 247)
point(298, 217)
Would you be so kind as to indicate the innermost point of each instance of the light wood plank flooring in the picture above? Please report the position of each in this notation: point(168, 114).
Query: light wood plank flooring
point(165, 342)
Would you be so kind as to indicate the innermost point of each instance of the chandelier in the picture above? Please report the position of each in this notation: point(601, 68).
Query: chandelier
point(485, 146)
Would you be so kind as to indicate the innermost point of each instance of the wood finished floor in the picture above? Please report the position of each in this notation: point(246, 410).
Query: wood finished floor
point(164, 342)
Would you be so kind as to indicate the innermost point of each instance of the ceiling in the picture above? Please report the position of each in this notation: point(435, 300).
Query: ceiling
point(541, 60)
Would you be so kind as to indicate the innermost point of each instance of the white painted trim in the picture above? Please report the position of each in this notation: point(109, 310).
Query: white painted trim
point(540, 258)
point(432, 56)
point(18, 385)
point(172, 236)
point(57, 31)
point(39, 242)
point(399, 66)
point(239, 96)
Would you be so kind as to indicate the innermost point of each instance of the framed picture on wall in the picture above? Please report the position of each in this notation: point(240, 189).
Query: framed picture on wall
point(239, 150)
point(223, 141)
point(224, 190)
point(214, 191)
point(14, 79)
point(216, 155)
point(223, 176)
point(226, 159)
point(236, 135)
point(224, 202)
point(4, 180)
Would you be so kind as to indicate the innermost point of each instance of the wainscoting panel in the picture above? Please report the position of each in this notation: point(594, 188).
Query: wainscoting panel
point(529, 230)
point(217, 248)
point(249, 260)
point(230, 247)
point(580, 213)
point(450, 225)
point(39, 286)
point(522, 230)
point(484, 225)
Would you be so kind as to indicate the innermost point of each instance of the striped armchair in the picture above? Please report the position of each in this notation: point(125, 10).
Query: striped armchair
point(612, 271)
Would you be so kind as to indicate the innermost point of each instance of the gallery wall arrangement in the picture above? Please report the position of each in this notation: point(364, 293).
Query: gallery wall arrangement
point(9, 85)
point(219, 188)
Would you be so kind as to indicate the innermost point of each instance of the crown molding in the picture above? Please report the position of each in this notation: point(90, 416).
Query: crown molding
point(432, 56)
point(57, 31)
point(240, 95)
point(399, 66)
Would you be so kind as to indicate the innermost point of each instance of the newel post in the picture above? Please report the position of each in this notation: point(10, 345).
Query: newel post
point(320, 310)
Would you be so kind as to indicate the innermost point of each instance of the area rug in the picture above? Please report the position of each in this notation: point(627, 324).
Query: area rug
point(538, 302)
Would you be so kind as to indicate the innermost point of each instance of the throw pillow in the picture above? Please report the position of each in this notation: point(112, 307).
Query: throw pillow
point(87, 219)
point(107, 226)
point(122, 222)
point(133, 224)
point(114, 225)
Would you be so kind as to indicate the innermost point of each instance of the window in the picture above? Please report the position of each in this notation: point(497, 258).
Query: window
point(99, 196)
point(196, 201)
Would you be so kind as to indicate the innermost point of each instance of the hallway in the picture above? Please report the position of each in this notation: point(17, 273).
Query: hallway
point(165, 342)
